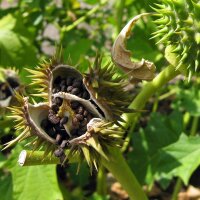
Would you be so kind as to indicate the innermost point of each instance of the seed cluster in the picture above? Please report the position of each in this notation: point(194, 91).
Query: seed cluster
point(6, 87)
point(70, 85)
point(55, 125)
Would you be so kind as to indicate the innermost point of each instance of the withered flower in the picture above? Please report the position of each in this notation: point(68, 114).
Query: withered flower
point(137, 71)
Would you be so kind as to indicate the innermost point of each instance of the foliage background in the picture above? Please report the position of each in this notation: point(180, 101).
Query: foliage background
point(29, 33)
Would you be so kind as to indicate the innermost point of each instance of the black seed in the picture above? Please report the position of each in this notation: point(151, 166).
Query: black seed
point(75, 122)
point(69, 88)
point(63, 82)
point(85, 95)
point(63, 88)
point(64, 144)
point(79, 95)
point(79, 117)
point(85, 113)
point(73, 131)
point(13, 82)
point(59, 152)
point(84, 122)
point(69, 81)
point(44, 123)
point(58, 101)
point(54, 90)
point(80, 110)
point(89, 117)
point(50, 132)
point(53, 118)
point(57, 80)
point(80, 132)
point(58, 138)
point(75, 91)
point(77, 83)
point(74, 104)
point(64, 120)
point(55, 108)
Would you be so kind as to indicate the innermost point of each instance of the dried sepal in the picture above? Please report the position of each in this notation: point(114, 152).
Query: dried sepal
point(137, 71)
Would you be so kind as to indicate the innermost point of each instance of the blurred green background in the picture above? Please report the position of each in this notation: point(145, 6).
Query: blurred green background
point(30, 30)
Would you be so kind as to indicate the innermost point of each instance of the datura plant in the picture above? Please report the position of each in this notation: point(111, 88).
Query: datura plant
point(80, 114)
point(179, 30)
point(9, 81)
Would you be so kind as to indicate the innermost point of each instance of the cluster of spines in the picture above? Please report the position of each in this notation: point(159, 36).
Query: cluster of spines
point(178, 25)
point(109, 88)
point(42, 74)
point(103, 136)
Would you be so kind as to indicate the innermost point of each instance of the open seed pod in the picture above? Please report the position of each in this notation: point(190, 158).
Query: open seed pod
point(79, 112)
point(9, 82)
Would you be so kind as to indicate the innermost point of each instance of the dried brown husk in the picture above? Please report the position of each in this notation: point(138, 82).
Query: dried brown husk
point(137, 71)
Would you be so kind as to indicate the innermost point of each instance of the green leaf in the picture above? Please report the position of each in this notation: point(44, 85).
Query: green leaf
point(34, 182)
point(189, 100)
point(178, 159)
point(160, 132)
point(6, 187)
point(16, 48)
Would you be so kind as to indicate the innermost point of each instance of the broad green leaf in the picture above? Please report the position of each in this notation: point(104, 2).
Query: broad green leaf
point(16, 48)
point(189, 100)
point(34, 182)
point(160, 132)
point(178, 159)
point(6, 187)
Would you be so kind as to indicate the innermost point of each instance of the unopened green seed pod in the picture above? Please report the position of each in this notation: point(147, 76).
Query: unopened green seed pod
point(178, 23)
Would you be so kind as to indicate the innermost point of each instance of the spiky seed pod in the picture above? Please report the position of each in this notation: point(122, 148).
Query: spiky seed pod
point(9, 82)
point(108, 89)
point(178, 26)
point(77, 113)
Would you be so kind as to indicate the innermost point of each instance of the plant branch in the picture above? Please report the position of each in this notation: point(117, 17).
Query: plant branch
point(118, 166)
point(83, 18)
point(148, 90)
point(30, 158)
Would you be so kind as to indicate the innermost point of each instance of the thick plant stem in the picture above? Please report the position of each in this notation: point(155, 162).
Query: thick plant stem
point(121, 171)
point(147, 91)
point(29, 158)
point(101, 182)
point(177, 188)
point(150, 89)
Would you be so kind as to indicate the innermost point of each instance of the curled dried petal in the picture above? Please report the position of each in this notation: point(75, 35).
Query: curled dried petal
point(137, 71)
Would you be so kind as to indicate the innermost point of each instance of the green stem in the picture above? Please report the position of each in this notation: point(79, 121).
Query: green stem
point(148, 90)
point(83, 18)
point(101, 182)
point(30, 158)
point(194, 125)
point(121, 171)
point(177, 189)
